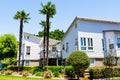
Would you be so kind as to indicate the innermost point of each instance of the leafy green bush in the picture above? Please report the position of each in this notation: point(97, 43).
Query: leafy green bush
point(32, 69)
point(116, 72)
point(9, 61)
point(95, 73)
point(55, 68)
point(36, 69)
point(39, 74)
point(56, 73)
point(79, 60)
point(69, 71)
point(104, 73)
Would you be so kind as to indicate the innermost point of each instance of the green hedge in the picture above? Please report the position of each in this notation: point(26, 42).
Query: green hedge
point(55, 68)
point(26, 68)
point(68, 70)
point(104, 73)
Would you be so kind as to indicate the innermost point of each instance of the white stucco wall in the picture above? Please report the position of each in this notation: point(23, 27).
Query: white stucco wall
point(34, 48)
point(97, 51)
point(92, 29)
point(109, 39)
point(96, 27)
point(70, 39)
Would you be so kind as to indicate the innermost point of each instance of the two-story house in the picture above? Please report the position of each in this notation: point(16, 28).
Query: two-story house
point(92, 36)
point(32, 51)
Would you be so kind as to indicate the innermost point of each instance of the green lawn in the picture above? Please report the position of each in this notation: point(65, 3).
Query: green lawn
point(116, 79)
point(9, 77)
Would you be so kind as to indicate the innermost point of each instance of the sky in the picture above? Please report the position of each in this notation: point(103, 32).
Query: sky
point(66, 11)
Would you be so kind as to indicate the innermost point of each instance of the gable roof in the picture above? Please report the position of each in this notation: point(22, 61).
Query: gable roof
point(88, 19)
point(31, 35)
point(52, 42)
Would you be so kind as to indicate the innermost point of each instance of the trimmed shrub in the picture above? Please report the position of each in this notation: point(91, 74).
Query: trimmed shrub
point(104, 73)
point(26, 68)
point(55, 68)
point(36, 69)
point(39, 74)
point(56, 73)
point(69, 71)
point(80, 62)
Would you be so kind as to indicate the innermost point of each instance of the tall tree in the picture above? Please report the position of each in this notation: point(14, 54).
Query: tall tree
point(54, 34)
point(43, 23)
point(57, 34)
point(49, 10)
point(8, 46)
point(23, 17)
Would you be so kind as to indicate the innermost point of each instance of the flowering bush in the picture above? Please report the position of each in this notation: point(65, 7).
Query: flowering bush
point(8, 72)
point(48, 74)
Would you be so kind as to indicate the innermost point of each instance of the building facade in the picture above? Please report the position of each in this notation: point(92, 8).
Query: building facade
point(91, 36)
point(97, 38)
point(32, 50)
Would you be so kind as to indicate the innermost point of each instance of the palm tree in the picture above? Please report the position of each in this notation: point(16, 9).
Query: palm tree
point(23, 17)
point(43, 23)
point(49, 10)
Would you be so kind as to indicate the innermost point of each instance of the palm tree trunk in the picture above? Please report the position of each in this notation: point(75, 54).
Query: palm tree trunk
point(20, 42)
point(47, 47)
point(44, 45)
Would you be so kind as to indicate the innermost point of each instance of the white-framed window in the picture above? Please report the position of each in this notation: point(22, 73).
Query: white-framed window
point(86, 43)
point(83, 43)
point(92, 61)
point(118, 42)
point(54, 48)
point(90, 44)
point(27, 50)
point(76, 44)
point(27, 62)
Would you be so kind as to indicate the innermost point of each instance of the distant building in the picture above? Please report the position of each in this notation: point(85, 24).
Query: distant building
point(32, 51)
point(95, 37)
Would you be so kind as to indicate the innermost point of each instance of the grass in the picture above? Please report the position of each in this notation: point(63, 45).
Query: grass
point(116, 79)
point(9, 77)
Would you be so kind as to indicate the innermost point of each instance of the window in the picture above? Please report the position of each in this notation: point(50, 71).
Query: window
point(27, 37)
point(83, 43)
point(86, 43)
point(76, 44)
point(103, 44)
point(27, 62)
point(27, 50)
point(53, 49)
point(90, 44)
point(91, 61)
point(67, 47)
point(63, 47)
point(111, 46)
point(118, 42)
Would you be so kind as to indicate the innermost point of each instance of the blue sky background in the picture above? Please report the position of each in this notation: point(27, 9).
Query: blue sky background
point(67, 10)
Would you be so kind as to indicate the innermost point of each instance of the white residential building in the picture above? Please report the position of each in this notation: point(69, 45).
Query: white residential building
point(32, 50)
point(93, 37)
